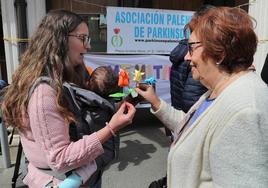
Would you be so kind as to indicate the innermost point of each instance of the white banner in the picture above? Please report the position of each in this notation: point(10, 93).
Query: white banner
point(144, 31)
point(154, 65)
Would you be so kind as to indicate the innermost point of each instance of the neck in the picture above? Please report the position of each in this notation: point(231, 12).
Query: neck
point(224, 81)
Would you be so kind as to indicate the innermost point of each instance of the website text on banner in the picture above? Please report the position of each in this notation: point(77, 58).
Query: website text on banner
point(144, 31)
point(153, 65)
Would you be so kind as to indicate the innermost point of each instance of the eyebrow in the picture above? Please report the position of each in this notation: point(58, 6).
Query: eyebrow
point(82, 34)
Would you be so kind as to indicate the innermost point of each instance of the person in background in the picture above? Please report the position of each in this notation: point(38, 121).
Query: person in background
point(264, 71)
point(3, 84)
point(223, 139)
point(43, 119)
point(184, 90)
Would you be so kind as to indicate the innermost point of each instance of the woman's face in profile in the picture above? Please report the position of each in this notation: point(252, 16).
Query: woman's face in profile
point(79, 43)
point(201, 69)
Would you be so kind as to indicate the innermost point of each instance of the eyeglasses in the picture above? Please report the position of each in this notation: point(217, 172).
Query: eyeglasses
point(84, 38)
point(191, 48)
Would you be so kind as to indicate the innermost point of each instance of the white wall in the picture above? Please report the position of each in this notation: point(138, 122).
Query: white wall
point(9, 30)
point(36, 9)
point(258, 10)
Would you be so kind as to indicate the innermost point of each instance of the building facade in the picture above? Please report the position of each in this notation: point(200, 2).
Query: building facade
point(17, 26)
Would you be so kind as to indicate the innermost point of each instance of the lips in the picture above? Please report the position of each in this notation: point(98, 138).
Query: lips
point(192, 65)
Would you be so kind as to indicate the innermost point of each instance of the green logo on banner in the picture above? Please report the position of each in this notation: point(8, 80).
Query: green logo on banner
point(117, 40)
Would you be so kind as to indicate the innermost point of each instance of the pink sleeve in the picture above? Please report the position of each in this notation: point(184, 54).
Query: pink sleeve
point(51, 132)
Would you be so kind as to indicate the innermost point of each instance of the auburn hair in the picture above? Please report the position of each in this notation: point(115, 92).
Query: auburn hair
point(227, 36)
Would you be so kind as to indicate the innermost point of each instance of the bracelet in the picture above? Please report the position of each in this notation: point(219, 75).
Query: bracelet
point(110, 128)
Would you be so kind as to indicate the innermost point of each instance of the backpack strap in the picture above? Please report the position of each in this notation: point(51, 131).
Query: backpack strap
point(70, 89)
point(87, 97)
point(38, 81)
point(81, 102)
point(49, 81)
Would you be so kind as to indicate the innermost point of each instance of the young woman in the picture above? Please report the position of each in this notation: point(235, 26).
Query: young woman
point(43, 118)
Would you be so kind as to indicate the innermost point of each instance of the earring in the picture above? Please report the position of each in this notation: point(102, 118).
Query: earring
point(218, 63)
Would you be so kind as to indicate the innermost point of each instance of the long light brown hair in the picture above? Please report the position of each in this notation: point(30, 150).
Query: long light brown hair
point(46, 55)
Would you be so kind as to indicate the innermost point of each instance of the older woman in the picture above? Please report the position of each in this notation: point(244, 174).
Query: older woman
point(223, 140)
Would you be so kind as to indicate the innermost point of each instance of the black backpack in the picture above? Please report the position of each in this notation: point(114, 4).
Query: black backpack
point(91, 113)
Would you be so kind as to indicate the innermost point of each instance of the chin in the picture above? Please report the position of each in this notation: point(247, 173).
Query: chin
point(79, 62)
point(196, 78)
point(195, 75)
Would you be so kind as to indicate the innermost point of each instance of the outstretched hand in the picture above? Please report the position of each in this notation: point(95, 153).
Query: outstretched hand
point(148, 93)
point(123, 116)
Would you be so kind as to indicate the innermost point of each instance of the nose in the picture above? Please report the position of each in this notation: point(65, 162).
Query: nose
point(88, 46)
point(187, 57)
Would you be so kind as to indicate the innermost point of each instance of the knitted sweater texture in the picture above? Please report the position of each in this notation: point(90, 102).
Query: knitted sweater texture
point(46, 142)
point(227, 146)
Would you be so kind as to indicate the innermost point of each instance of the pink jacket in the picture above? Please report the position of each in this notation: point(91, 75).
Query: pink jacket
point(46, 143)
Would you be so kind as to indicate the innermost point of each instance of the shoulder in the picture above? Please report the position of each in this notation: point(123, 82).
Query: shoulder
point(42, 84)
point(42, 92)
point(245, 106)
point(247, 90)
point(45, 89)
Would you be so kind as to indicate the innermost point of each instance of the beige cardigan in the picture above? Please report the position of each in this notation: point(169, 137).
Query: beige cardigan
point(227, 146)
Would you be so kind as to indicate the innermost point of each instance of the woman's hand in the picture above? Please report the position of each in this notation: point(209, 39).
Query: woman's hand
point(123, 116)
point(148, 93)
